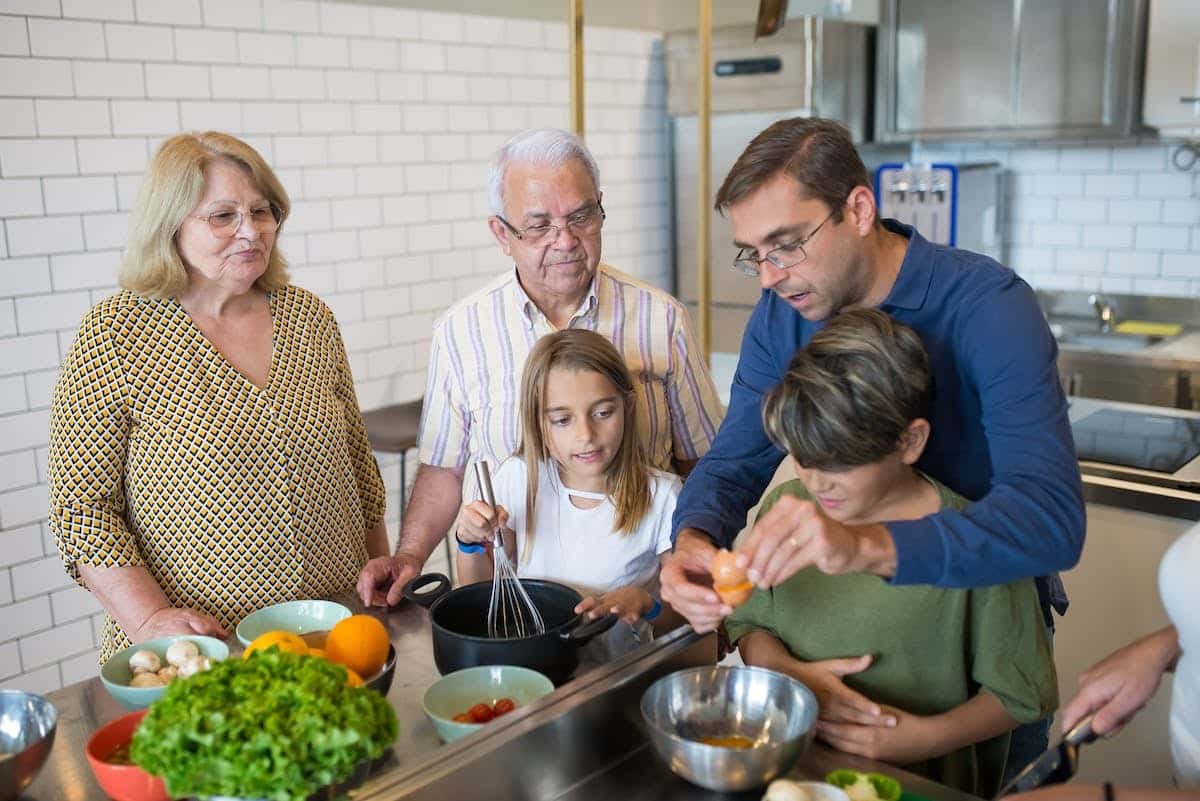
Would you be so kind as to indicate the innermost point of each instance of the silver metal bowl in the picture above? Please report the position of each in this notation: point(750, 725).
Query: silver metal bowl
point(775, 712)
point(27, 726)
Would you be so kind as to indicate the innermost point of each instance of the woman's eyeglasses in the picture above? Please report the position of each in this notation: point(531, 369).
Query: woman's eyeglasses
point(226, 222)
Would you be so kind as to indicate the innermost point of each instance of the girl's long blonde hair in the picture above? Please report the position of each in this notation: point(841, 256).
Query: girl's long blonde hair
point(627, 480)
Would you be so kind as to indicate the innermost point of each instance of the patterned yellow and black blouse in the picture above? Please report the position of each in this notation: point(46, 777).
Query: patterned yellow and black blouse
point(234, 497)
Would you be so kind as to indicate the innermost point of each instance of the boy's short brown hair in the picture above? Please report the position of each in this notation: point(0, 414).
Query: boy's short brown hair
point(849, 395)
point(818, 153)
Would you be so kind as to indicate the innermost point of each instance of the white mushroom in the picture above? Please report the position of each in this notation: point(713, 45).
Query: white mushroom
point(181, 651)
point(787, 790)
point(146, 679)
point(144, 662)
point(194, 665)
point(167, 674)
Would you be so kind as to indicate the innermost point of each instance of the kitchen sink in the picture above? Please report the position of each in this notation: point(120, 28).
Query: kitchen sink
point(1111, 343)
point(1082, 336)
point(1139, 366)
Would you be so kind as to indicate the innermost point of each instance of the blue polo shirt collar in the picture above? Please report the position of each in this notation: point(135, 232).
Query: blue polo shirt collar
point(916, 271)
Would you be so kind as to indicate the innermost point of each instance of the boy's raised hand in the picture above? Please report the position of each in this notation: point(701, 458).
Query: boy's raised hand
point(838, 703)
point(478, 521)
point(628, 602)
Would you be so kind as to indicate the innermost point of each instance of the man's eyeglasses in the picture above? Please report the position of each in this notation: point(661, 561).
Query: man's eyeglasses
point(225, 222)
point(785, 256)
point(582, 223)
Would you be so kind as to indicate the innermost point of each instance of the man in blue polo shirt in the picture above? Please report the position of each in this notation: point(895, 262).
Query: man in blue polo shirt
point(805, 219)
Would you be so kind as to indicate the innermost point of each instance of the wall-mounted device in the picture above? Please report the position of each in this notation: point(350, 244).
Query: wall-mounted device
point(950, 204)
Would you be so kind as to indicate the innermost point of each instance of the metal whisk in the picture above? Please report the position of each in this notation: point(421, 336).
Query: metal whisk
point(511, 612)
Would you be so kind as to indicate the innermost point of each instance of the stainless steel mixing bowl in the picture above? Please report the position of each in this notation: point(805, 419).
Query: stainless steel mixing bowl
point(775, 712)
point(27, 726)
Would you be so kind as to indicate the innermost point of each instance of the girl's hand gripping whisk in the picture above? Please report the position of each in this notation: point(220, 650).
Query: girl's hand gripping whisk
point(511, 612)
point(481, 522)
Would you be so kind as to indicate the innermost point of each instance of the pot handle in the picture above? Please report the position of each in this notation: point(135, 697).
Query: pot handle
point(415, 590)
point(586, 631)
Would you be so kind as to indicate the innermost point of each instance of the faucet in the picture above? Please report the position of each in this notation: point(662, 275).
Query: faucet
point(1105, 311)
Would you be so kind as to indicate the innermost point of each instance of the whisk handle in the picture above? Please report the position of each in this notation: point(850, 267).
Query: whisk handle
point(483, 476)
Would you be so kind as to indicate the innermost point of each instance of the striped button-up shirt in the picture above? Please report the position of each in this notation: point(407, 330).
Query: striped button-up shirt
point(479, 348)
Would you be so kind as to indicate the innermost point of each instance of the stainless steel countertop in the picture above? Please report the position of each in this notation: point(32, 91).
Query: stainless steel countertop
point(583, 725)
point(585, 742)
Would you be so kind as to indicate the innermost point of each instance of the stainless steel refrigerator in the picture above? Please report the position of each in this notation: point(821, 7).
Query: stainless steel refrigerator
point(812, 67)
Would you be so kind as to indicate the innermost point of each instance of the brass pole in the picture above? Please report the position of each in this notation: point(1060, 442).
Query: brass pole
point(704, 178)
point(576, 24)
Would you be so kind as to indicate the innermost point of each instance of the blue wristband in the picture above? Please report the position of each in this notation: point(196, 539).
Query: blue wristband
point(654, 611)
point(469, 547)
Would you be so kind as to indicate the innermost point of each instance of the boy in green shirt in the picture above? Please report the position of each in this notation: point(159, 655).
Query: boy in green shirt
point(947, 673)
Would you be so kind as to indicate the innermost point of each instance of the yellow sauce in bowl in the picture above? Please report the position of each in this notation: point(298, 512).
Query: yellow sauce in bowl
point(732, 741)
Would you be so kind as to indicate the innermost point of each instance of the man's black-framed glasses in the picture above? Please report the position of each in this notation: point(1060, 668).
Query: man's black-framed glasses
point(787, 255)
point(584, 222)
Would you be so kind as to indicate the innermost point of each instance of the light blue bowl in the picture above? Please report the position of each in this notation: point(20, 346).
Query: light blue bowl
point(116, 675)
point(457, 692)
point(298, 617)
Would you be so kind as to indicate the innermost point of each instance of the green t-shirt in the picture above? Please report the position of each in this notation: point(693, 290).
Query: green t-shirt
point(934, 648)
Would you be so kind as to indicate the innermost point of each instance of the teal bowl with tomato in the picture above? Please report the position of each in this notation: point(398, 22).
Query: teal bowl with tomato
point(463, 702)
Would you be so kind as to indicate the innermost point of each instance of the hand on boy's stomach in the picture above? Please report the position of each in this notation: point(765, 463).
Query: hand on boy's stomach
point(686, 580)
point(837, 702)
point(479, 521)
point(795, 534)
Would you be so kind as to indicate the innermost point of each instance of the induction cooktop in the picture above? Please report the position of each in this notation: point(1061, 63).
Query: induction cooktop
point(1155, 442)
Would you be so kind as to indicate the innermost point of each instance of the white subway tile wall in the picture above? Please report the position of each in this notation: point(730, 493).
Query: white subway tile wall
point(1094, 215)
point(380, 123)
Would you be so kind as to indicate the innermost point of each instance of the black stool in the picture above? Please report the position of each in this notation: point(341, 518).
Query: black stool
point(394, 429)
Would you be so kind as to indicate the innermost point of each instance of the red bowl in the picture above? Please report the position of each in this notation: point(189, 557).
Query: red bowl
point(122, 782)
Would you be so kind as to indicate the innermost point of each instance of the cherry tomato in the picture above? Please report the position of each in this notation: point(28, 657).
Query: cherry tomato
point(481, 713)
point(503, 706)
point(463, 717)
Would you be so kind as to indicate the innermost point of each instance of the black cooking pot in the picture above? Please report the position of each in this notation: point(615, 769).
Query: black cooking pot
point(459, 620)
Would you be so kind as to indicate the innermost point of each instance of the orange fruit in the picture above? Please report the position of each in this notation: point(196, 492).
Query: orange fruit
point(359, 642)
point(317, 652)
point(283, 640)
point(352, 678)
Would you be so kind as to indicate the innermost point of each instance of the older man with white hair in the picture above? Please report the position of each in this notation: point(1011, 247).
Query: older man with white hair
point(544, 193)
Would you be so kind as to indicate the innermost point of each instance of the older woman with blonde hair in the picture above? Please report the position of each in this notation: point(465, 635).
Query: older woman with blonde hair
point(207, 453)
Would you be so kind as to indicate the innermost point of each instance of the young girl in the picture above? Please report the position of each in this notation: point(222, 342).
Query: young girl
point(931, 679)
point(580, 497)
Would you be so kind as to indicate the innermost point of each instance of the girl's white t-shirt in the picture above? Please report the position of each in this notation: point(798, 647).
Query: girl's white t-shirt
point(579, 547)
point(1181, 597)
